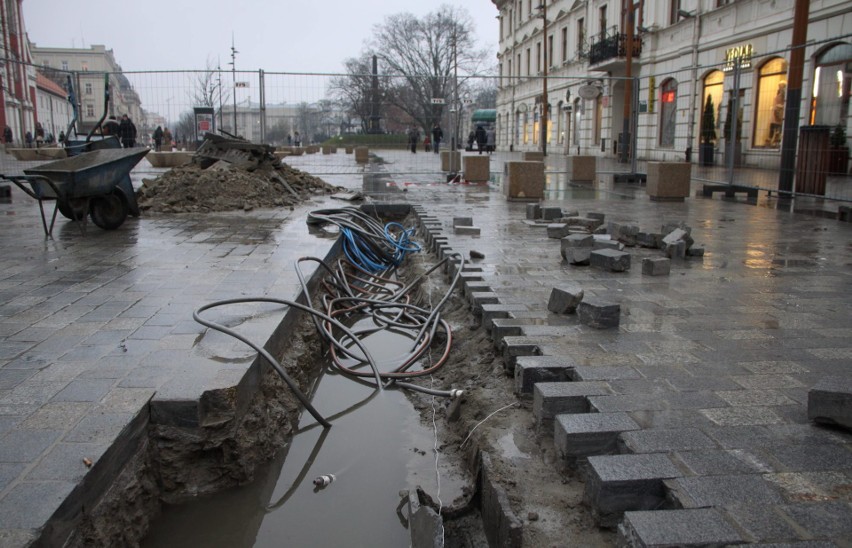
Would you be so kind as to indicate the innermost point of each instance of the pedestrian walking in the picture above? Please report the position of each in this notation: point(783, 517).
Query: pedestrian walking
point(158, 138)
point(297, 139)
point(471, 137)
point(490, 140)
point(481, 138)
point(127, 131)
point(427, 144)
point(110, 127)
point(413, 138)
point(28, 139)
point(289, 140)
point(437, 137)
point(7, 135)
point(61, 137)
point(39, 135)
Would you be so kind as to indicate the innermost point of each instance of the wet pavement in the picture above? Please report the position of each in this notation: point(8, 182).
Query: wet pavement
point(713, 362)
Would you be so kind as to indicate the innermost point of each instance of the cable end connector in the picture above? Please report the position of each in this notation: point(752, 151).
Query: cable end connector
point(456, 393)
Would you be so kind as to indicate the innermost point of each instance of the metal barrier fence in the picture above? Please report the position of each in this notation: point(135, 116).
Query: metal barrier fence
point(683, 114)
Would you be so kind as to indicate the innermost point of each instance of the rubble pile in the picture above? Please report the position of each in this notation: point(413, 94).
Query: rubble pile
point(229, 174)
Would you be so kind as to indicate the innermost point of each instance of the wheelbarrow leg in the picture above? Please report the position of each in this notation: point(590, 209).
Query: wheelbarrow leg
point(48, 231)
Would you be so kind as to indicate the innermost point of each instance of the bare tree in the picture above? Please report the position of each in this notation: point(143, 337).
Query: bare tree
point(208, 90)
point(423, 56)
point(353, 92)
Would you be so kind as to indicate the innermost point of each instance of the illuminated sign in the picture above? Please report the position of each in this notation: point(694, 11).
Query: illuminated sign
point(740, 55)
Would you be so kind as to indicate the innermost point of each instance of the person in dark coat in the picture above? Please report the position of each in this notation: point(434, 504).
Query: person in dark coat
point(28, 139)
point(127, 132)
point(413, 138)
point(7, 135)
point(437, 137)
point(470, 140)
point(481, 138)
point(110, 127)
point(158, 138)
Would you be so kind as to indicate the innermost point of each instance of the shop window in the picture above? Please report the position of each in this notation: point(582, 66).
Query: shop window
point(526, 129)
point(668, 112)
point(831, 91)
point(771, 95)
point(714, 89)
point(535, 128)
point(560, 133)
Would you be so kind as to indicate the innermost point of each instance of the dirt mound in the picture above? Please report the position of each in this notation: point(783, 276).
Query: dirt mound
point(225, 187)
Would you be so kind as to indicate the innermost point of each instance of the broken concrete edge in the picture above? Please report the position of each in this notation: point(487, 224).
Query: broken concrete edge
point(424, 523)
point(502, 527)
point(115, 475)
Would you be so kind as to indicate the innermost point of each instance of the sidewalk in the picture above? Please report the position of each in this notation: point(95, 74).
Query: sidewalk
point(713, 362)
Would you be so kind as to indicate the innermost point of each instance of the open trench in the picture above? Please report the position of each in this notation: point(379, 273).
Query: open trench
point(246, 476)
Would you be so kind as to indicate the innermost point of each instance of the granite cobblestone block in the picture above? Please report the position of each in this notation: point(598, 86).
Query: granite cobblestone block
point(553, 398)
point(565, 299)
point(530, 370)
point(704, 527)
point(599, 314)
point(610, 259)
point(586, 434)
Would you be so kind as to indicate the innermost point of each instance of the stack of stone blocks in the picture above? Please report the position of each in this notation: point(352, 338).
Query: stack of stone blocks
point(464, 226)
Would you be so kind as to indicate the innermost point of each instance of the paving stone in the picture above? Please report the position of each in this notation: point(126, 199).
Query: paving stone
point(498, 310)
point(557, 230)
point(761, 522)
point(603, 241)
point(666, 440)
point(587, 434)
point(28, 505)
point(720, 462)
point(822, 519)
point(604, 373)
point(576, 246)
point(656, 266)
point(812, 457)
point(610, 259)
point(462, 221)
point(577, 255)
point(624, 233)
point(533, 211)
point(599, 314)
point(596, 215)
point(553, 398)
point(585, 222)
point(705, 491)
point(467, 230)
point(502, 526)
point(681, 528)
point(530, 370)
point(549, 213)
point(565, 298)
point(514, 347)
point(479, 298)
point(830, 401)
point(653, 240)
point(615, 484)
point(695, 251)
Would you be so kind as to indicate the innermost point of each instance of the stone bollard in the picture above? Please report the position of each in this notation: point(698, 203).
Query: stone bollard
point(533, 156)
point(450, 160)
point(349, 149)
point(362, 155)
point(582, 168)
point(477, 168)
point(524, 181)
point(668, 181)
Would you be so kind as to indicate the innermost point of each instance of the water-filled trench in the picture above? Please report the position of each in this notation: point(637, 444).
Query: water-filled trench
point(343, 485)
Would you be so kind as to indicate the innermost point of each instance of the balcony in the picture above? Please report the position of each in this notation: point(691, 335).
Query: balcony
point(611, 51)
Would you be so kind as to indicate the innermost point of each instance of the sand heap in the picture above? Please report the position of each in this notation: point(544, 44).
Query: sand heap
point(227, 174)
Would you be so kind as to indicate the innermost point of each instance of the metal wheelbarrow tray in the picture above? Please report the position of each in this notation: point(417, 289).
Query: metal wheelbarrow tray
point(93, 183)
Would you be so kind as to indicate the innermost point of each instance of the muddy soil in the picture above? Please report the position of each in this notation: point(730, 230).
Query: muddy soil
point(543, 493)
point(224, 187)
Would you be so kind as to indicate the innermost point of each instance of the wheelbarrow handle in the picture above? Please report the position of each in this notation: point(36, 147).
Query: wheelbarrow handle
point(25, 183)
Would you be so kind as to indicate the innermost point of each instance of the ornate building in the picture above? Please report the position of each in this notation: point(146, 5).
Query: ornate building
point(18, 108)
point(576, 61)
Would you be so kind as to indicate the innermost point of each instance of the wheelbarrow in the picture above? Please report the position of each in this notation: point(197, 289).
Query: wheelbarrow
point(95, 184)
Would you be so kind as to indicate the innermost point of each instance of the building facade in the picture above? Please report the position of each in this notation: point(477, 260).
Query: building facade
point(17, 75)
point(574, 60)
point(54, 110)
point(91, 69)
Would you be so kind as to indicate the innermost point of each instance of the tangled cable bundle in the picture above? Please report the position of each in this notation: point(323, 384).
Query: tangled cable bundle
point(361, 296)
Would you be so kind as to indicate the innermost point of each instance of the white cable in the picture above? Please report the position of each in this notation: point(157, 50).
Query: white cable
point(435, 430)
point(485, 419)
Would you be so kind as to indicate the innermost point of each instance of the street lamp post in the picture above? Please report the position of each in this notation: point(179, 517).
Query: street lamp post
point(234, 53)
point(544, 109)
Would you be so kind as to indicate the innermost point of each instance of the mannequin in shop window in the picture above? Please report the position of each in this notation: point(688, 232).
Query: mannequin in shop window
point(777, 116)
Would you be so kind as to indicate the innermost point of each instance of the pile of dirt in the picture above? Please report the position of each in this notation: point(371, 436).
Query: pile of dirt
point(225, 187)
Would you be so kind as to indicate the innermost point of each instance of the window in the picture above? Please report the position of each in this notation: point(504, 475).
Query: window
point(668, 111)
point(535, 127)
point(564, 44)
point(518, 66)
point(581, 35)
point(560, 132)
point(510, 72)
point(720, 3)
point(602, 19)
point(64, 65)
point(84, 66)
point(529, 62)
point(88, 88)
point(714, 90)
point(90, 110)
point(548, 59)
point(831, 91)
point(520, 12)
point(501, 25)
point(529, 8)
point(674, 8)
point(771, 96)
point(538, 58)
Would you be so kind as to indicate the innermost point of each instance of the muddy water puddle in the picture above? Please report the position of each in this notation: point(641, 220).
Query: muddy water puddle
point(377, 446)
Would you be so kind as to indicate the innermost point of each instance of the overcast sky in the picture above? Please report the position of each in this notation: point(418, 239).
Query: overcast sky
point(275, 35)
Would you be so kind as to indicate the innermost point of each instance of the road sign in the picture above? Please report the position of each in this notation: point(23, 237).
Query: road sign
point(241, 85)
point(437, 101)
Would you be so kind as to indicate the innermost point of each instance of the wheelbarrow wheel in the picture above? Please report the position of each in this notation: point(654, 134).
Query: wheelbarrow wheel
point(74, 209)
point(108, 211)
